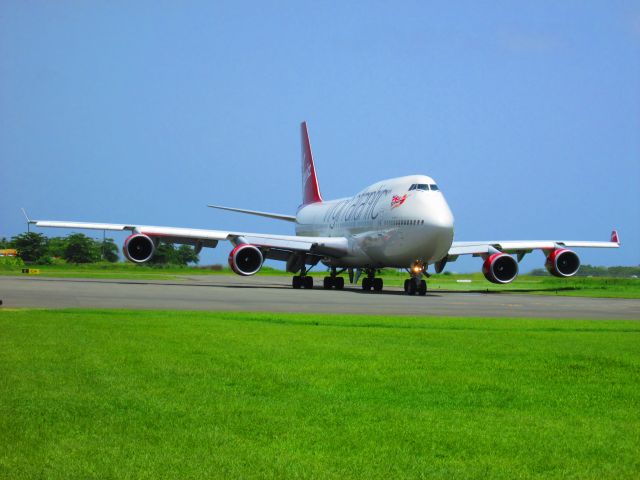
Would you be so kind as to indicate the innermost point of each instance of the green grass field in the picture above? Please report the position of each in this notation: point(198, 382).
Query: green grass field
point(130, 394)
point(576, 286)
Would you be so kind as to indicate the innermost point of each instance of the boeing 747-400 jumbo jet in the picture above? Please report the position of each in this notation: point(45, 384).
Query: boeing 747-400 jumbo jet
point(403, 222)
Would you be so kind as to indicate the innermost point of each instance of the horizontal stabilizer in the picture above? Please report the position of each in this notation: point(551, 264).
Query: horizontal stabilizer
point(277, 216)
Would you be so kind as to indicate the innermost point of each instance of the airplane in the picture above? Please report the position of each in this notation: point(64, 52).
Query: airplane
point(402, 223)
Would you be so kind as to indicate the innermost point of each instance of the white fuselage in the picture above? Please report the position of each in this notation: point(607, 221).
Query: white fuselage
point(388, 224)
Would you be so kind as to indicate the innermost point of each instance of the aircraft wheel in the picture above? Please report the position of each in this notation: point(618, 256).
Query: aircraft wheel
point(296, 282)
point(406, 285)
point(307, 282)
point(377, 284)
point(422, 289)
point(328, 283)
point(366, 284)
point(411, 287)
point(338, 283)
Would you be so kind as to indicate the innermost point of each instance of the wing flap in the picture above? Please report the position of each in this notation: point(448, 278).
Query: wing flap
point(326, 246)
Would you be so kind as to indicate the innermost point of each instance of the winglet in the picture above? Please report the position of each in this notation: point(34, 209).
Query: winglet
point(27, 216)
point(614, 237)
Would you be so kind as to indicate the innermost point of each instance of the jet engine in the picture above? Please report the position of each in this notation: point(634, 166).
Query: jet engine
point(246, 259)
point(139, 248)
point(562, 263)
point(500, 268)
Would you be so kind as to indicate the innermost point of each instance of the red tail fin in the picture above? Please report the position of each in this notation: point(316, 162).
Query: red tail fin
point(310, 189)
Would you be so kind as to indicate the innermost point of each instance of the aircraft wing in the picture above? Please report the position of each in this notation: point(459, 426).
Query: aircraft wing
point(277, 216)
point(278, 247)
point(522, 247)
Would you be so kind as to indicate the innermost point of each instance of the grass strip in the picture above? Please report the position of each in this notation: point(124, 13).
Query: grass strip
point(131, 394)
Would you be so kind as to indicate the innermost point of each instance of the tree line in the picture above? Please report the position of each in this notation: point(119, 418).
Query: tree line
point(37, 248)
point(587, 270)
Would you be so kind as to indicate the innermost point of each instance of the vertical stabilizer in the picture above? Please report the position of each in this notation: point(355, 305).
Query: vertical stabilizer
point(310, 188)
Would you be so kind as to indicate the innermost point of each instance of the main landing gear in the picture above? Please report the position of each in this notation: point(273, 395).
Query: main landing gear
point(416, 284)
point(371, 282)
point(300, 281)
point(333, 281)
point(303, 280)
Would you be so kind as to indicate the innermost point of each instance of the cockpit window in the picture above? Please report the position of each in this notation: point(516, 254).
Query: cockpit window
point(424, 186)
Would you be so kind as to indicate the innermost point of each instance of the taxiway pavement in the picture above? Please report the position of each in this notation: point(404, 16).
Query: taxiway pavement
point(264, 293)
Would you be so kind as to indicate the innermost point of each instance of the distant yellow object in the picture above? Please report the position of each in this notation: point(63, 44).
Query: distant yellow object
point(8, 252)
point(31, 271)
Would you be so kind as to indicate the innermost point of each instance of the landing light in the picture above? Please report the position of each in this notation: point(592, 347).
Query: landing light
point(417, 267)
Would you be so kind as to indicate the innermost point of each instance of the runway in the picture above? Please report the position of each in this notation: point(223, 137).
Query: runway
point(274, 294)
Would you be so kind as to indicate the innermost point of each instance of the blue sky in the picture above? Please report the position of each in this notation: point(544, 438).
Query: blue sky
point(526, 113)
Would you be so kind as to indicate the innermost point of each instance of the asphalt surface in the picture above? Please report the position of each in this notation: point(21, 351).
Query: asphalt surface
point(262, 293)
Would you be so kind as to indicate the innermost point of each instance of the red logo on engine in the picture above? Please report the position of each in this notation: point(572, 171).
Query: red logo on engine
point(398, 200)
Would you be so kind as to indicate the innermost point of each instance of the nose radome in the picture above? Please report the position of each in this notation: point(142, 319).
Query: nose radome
point(441, 219)
point(438, 214)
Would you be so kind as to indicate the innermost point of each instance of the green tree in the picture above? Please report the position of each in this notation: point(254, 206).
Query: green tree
point(31, 246)
point(186, 254)
point(168, 254)
point(81, 249)
point(165, 254)
point(4, 243)
point(57, 247)
point(109, 250)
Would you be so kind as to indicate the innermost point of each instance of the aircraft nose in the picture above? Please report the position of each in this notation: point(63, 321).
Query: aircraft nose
point(439, 221)
point(438, 215)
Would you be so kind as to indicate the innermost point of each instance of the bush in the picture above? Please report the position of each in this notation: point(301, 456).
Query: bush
point(11, 263)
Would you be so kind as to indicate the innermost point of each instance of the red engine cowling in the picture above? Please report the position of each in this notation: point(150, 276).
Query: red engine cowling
point(562, 263)
point(138, 248)
point(500, 268)
point(246, 259)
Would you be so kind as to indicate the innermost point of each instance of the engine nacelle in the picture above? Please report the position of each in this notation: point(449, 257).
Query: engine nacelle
point(500, 268)
point(138, 248)
point(562, 263)
point(246, 259)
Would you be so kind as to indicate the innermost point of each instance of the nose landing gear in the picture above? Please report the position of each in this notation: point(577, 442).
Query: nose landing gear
point(416, 284)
